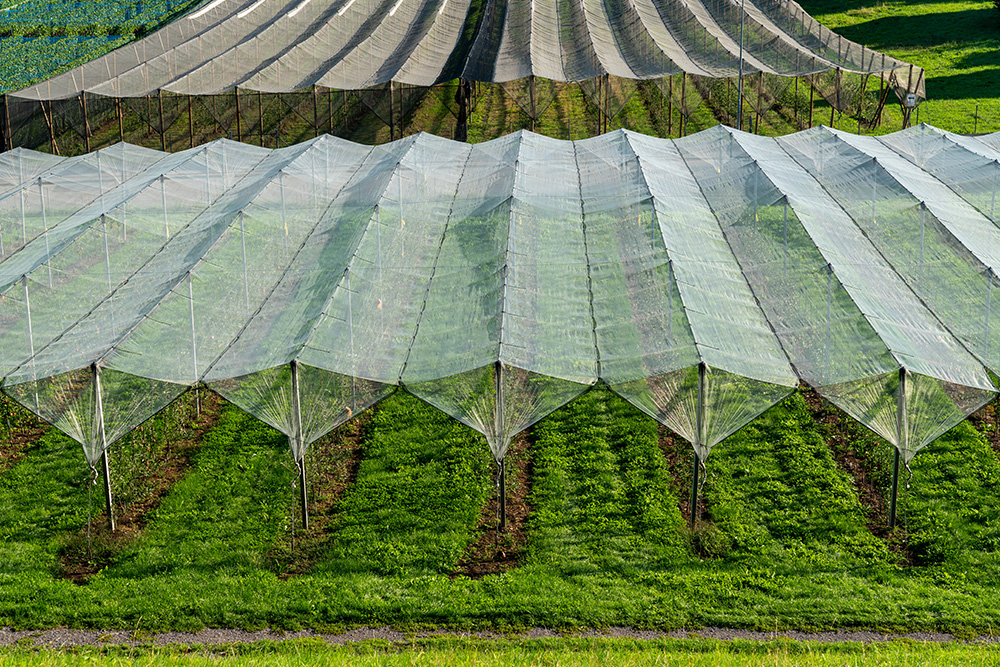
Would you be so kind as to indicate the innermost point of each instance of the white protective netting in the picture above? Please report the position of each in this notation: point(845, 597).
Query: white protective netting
point(288, 45)
point(700, 278)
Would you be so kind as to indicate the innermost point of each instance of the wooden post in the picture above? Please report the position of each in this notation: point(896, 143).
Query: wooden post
point(102, 441)
point(392, 111)
point(239, 118)
point(47, 114)
point(163, 128)
point(190, 121)
point(315, 112)
point(260, 118)
point(836, 95)
point(121, 120)
point(86, 120)
point(6, 140)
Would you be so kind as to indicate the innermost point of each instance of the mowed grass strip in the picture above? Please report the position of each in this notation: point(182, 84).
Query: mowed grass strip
point(564, 652)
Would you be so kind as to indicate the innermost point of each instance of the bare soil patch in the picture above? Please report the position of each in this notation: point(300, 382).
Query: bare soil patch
point(332, 464)
point(494, 551)
point(84, 555)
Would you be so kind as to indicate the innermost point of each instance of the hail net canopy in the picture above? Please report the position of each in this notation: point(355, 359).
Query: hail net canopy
point(287, 45)
point(701, 279)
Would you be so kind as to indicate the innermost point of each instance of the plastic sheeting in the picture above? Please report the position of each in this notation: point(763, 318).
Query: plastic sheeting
point(700, 278)
point(287, 45)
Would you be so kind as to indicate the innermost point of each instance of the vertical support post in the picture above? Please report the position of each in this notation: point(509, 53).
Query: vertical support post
point(163, 127)
point(462, 122)
point(699, 440)
point(243, 248)
point(392, 111)
point(501, 433)
point(784, 240)
point(6, 141)
point(31, 338)
point(121, 119)
point(812, 91)
point(260, 119)
point(670, 106)
point(902, 437)
point(760, 103)
point(836, 96)
point(190, 121)
point(102, 441)
point(239, 118)
point(531, 99)
point(86, 120)
point(47, 114)
point(315, 112)
point(194, 343)
point(829, 311)
point(300, 459)
point(684, 78)
point(739, 94)
point(45, 230)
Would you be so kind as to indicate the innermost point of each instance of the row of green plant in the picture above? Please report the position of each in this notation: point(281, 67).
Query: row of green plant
point(783, 540)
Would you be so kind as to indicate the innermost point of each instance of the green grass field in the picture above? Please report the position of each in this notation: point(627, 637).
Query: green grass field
point(791, 533)
point(561, 652)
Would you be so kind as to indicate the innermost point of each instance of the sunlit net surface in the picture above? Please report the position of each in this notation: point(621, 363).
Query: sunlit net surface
point(701, 279)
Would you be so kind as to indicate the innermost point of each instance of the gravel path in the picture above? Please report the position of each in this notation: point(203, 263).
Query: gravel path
point(64, 637)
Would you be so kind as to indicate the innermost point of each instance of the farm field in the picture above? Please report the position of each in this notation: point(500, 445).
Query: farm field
point(791, 532)
point(564, 652)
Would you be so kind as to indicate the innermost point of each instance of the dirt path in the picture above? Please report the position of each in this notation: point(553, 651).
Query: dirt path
point(63, 637)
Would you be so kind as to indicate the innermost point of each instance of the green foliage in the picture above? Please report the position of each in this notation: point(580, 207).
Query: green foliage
point(38, 38)
point(417, 498)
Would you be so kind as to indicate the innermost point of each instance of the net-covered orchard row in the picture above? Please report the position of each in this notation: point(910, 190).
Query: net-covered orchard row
point(673, 106)
point(268, 71)
point(701, 279)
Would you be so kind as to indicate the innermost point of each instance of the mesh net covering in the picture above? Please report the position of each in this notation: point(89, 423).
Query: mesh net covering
point(288, 45)
point(701, 279)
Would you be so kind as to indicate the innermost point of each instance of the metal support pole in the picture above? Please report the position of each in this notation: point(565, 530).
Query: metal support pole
point(902, 437)
point(699, 440)
point(102, 441)
point(194, 342)
point(501, 429)
point(300, 458)
point(739, 95)
point(694, 490)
